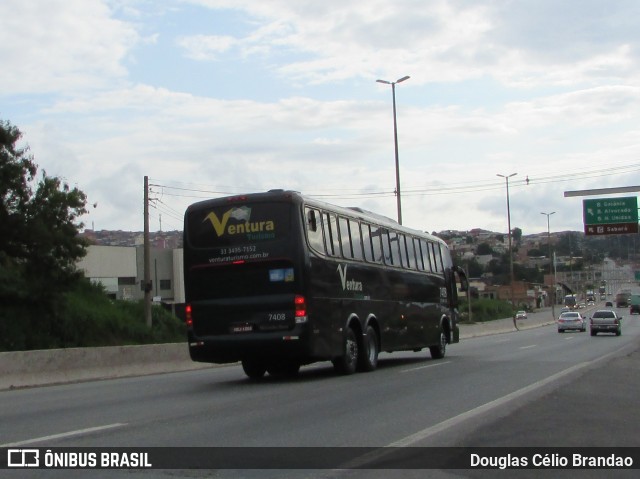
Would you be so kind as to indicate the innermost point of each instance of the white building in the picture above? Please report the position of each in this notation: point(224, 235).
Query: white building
point(120, 269)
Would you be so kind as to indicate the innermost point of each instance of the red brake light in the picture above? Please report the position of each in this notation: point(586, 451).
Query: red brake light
point(301, 306)
point(187, 313)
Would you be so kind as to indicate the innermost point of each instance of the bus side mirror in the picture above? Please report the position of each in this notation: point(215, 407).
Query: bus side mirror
point(464, 282)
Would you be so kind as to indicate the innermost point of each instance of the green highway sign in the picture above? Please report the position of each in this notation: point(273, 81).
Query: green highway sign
point(610, 211)
point(612, 229)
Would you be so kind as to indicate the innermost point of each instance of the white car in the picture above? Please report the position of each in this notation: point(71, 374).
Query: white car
point(521, 315)
point(572, 320)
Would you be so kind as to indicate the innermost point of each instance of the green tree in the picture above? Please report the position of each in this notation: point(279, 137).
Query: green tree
point(39, 245)
point(484, 249)
point(516, 233)
point(474, 269)
point(569, 244)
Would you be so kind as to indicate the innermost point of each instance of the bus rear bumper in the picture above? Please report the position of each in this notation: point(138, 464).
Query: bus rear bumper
point(236, 347)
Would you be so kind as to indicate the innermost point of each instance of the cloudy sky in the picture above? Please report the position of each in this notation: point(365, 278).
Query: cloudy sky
point(217, 97)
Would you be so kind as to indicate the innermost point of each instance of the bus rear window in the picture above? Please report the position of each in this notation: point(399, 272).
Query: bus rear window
point(238, 224)
point(249, 279)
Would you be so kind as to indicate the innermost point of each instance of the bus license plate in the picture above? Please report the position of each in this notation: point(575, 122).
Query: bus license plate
point(242, 328)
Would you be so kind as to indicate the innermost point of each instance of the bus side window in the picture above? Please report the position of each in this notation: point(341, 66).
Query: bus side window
point(447, 261)
point(345, 238)
point(411, 254)
point(418, 253)
point(335, 235)
point(402, 250)
point(330, 234)
point(366, 243)
point(356, 243)
point(426, 255)
point(376, 241)
point(386, 247)
point(438, 257)
point(394, 240)
point(314, 230)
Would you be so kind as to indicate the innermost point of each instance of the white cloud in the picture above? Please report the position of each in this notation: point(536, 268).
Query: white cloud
point(205, 47)
point(60, 46)
point(247, 95)
point(524, 44)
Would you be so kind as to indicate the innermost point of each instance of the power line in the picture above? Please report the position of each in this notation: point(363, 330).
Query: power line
point(203, 191)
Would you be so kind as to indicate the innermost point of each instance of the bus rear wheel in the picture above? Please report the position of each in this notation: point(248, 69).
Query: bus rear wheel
point(368, 358)
point(438, 351)
point(254, 368)
point(348, 362)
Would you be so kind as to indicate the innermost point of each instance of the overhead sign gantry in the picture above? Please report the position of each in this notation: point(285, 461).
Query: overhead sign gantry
point(608, 216)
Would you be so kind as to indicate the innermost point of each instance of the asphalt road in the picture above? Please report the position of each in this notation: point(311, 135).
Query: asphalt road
point(528, 388)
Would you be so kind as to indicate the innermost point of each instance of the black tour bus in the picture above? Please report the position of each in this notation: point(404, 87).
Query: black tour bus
point(277, 280)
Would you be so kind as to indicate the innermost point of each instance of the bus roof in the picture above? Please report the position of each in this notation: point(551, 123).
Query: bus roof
point(299, 198)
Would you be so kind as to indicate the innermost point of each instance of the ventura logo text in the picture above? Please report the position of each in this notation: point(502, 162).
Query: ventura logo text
point(348, 284)
point(222, 227)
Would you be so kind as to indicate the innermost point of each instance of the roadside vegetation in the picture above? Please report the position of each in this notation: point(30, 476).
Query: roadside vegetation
point(484, 310)
point(45, 301)
point(88, 318)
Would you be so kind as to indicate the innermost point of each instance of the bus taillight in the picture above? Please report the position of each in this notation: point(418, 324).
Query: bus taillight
point(187, 314)
point(237, 198)
point(301, 309)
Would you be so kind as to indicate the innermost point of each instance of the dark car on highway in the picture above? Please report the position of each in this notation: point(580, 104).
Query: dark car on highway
point(606, 321)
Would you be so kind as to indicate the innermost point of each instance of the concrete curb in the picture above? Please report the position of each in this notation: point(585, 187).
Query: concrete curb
point(499, 326)
point(57, 366)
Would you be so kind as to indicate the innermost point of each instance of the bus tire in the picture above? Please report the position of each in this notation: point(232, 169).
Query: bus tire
point(348, 362)
point(438, 351)
point(254, 368)
point(368, 357)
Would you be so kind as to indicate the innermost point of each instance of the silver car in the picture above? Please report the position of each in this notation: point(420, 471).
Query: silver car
point(572, 320)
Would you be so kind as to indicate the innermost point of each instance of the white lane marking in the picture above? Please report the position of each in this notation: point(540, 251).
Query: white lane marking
point(77, 432)
point(529, 347)
point(424, 367)
point(460, 418)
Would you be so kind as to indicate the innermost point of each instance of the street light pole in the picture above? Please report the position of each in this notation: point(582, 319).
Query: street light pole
point(553, 290)
point(506, 178)
point(395, 141)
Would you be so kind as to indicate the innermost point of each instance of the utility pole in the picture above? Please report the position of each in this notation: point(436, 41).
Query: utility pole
point(147, 257)
point(551, 263)
point(513, 303)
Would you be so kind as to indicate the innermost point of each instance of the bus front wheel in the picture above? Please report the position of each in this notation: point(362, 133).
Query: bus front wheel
point(438, 351)
point(348, 362)
point(254, 368)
